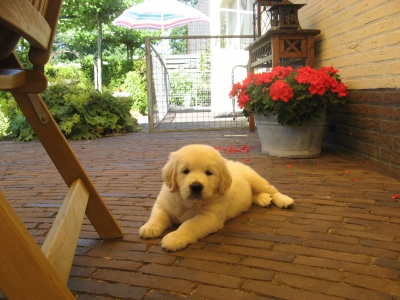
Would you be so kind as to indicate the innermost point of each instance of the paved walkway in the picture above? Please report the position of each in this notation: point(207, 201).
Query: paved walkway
point(341, 240)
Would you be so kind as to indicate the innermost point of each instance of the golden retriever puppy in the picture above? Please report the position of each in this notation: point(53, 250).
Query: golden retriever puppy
point(201, 191)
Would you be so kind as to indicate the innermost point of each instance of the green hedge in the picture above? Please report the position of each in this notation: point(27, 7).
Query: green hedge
point(80, 112)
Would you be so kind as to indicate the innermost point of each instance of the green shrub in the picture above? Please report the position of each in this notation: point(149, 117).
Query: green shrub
point(16, 125)
point(114, 69)
point(181, 86)
point(135, 84)
point(81, 113)
point(3, 125)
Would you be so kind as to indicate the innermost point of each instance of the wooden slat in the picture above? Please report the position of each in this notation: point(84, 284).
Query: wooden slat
point(40, 5)
point(60, 243)
point(292, 54)
point(24, 19)
point(261, 61)
point(40, 57)
point(25, 273)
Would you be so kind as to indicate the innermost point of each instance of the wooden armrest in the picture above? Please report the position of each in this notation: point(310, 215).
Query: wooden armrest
point(11, 78)
point(28, 81)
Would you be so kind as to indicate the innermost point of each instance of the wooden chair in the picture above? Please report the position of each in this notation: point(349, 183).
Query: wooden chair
point(26, 271)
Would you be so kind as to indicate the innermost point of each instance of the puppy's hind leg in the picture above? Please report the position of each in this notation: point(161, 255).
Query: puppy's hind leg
point(264, 193)
point(156, 225)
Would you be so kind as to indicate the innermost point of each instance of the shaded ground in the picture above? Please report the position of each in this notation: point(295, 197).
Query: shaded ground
point(341, 240)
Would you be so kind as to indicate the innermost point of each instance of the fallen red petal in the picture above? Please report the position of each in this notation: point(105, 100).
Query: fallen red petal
point(396, 196)
point(347, 172)
point(355, 178)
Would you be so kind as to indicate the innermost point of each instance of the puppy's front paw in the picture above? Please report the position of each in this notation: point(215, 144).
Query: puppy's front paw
point(150, 231)
point(283, 201)
point(263, 199)
point(173, 241)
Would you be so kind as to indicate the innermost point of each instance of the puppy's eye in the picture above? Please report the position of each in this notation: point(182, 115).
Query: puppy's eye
point(208, 173)
point(186, 171)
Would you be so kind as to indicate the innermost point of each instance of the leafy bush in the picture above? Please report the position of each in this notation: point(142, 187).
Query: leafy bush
point(3, 125)
point(81, 113)
point(181, 85)
point(114, 70)
point(70, 72)
point(16, 126)
point(135, 84)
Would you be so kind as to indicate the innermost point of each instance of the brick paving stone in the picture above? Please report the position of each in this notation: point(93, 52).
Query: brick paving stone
point(218, 293)
point(376, 244)
point(141, 280)
point(388, 263)
point(373, 283)
point(192, 275)
point(349, 267)
point(219, 239)
point(161, 295)
point(341, 239)
point(318, 236)
point(200, 254)
point(228, 269)
point(307, 271)
point(308, 251)
point(364, 235)
point(372, 251)
point(106, 263)
point(133, 255)
point(330, 288)
point(284, 292)
point(261, 253)
point(116, 290)
point(263, 237)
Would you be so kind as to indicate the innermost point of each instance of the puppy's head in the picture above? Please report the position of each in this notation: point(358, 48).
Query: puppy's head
point(197, 172)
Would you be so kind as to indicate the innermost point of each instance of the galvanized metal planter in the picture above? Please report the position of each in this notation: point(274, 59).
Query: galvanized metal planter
point(287, 141)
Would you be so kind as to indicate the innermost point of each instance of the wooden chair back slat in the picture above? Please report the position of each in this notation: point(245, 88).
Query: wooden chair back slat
point(33, 27)
point(40, 5)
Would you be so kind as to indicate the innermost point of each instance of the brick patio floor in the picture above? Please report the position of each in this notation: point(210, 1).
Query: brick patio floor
point(341, 240)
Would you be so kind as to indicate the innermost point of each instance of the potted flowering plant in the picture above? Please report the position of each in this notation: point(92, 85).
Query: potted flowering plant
point(295, 98)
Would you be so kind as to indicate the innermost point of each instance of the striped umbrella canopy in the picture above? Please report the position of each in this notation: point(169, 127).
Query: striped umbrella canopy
point(159, 15)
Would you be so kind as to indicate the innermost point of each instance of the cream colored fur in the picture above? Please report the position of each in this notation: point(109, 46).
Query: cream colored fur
point(228, 189)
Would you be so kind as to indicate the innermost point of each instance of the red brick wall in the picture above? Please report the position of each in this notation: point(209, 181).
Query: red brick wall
point(369, 126)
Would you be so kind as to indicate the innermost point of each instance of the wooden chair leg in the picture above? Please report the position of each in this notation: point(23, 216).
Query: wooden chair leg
point(25, 272)
point(66, 162)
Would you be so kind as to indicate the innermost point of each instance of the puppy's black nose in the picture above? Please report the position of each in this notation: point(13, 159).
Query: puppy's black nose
point(196, 187)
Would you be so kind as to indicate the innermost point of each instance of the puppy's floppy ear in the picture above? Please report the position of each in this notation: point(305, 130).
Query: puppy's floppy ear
point(169, 174)
point(226, 179)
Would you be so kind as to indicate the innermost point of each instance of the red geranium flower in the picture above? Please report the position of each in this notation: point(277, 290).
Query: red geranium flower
point(281, 90)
